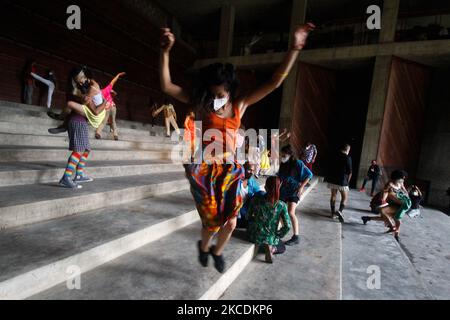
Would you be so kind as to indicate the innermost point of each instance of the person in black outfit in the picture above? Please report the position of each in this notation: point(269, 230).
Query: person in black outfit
point(374, 174)
point(338, 178)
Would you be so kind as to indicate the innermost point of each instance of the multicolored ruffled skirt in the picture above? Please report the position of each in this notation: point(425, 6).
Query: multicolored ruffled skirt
point(216, 189)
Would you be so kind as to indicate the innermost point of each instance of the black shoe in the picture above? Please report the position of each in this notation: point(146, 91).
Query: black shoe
point(365, 220)
point(293, 241)
point(397, 238)
point(202, 256)
point(340, 216)
point(57, 130)
point(55, 116)
point(219, 263)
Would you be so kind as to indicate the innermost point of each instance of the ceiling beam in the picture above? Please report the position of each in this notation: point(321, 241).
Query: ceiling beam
point(316, 56)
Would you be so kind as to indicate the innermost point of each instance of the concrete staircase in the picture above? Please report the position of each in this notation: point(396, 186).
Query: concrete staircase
point(131, 233)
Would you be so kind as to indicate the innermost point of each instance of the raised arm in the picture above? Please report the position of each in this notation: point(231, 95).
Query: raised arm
point(167, 86)
point(116, 78)
point(300, 37)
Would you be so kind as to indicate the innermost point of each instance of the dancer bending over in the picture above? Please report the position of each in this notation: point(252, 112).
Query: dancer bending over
point(111, 110)
point(216, 186)
point(395, 203)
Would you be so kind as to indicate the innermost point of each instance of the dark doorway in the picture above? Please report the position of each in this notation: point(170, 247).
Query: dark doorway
point(352, 98)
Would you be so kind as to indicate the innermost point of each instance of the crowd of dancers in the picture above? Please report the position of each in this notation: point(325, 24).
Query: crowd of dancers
point(226, 193)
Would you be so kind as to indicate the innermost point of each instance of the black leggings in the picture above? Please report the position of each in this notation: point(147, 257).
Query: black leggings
point(374, 183)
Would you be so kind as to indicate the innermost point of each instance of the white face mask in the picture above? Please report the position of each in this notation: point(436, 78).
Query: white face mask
point(285, 159)
point(220, 103)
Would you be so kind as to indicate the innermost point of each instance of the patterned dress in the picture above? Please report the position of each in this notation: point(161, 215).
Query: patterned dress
point(216, 187)
point(264, 221)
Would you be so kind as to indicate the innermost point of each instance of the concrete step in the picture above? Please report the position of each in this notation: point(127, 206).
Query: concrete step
point(165, 269)
point(23, 111)
point(21, 173)
point(310, 270)
point(162, 270)
point(35, 258)
point(62, 141)
point(31, 128)
point(21, 205)
point(41, 154)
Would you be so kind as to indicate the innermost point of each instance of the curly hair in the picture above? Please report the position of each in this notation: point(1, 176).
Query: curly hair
point(398, 174)
point(213, 75)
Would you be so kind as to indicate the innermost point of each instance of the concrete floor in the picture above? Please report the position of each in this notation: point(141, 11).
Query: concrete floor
point(336, 261)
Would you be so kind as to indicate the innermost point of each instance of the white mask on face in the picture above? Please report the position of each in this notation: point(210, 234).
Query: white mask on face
point(220, 103)
point(285, 159)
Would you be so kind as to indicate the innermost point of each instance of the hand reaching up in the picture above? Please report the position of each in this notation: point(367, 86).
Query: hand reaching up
point(301, 34)
point(167, 39)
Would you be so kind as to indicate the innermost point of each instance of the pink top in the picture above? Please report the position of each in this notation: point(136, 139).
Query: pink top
point(107, 94)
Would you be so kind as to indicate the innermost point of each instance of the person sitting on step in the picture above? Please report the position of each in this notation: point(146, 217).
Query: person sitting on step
point(266, 212)
point(250, 188)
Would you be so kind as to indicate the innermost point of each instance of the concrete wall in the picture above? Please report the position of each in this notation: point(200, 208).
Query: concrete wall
point(434, 164)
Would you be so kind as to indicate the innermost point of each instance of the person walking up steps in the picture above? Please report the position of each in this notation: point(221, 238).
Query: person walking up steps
point(338, 178)
point(215, 185)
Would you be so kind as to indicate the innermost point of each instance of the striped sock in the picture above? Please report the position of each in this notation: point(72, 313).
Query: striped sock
point(72, 164)
point(82, 163)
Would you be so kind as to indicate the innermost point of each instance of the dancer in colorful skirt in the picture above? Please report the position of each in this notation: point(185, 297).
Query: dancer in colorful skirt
point(86, 105)
point(216, 186)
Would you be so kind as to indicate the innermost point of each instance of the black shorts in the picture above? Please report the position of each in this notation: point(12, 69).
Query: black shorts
point(294, 199)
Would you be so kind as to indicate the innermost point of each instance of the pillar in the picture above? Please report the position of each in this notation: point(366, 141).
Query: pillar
point(227, 19)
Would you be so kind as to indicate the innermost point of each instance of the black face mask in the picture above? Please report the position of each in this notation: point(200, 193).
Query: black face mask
point(85, 87)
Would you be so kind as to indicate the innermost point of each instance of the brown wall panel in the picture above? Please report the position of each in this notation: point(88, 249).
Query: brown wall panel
point(404, 116)
point(314, 106)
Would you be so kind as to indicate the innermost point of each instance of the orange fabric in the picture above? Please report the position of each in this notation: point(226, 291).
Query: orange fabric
point(189, 126)
point(213, 121)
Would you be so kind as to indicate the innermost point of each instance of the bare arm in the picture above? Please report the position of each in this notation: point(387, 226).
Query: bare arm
point(88, 101)
point(167, 86)
point(300, 35)
point(116, 78)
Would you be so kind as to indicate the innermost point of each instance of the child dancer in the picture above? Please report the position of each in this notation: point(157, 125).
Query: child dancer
point(216, 186)
point(86, 104)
